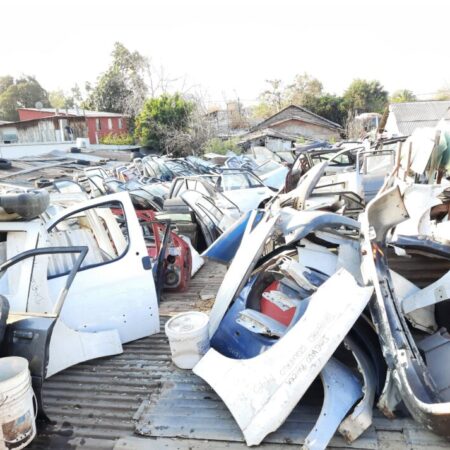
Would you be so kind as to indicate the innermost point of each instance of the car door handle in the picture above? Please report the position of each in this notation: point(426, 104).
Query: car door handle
point(23, 334)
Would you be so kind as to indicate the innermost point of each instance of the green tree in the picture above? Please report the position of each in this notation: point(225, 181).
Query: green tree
point(221, 147)
point(5, 83)
point(262, 110)
point(122, 88)
point(329, 106)
point(58, 99)
point(164, 122)
point(403, 95)
point(271, 100)
point(23, 92)
point(117, 139)
point(303, 89)
point(75, 94)
point(365, 96)
point(9, 105)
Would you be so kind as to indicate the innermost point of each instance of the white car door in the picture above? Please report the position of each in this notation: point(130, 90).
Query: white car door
point(114, 288)
point(244, 190)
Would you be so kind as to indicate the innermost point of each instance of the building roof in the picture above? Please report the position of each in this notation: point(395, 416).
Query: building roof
point(74, 112)
point(411, 115)
point(294, 112)
point(30, 122)
point(266, 132)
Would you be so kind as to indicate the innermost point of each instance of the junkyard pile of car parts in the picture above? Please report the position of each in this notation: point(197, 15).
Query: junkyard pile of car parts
point(310, 292)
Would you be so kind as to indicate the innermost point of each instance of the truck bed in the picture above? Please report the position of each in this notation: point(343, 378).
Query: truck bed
point(95, 404)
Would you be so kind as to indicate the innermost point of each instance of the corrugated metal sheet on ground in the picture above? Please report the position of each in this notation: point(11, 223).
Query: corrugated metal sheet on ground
point(93, 403)
point(391, 440)
point(94, 406)
point(188, 408)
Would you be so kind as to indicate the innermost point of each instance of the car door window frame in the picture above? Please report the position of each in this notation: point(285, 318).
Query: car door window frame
point(87, 208)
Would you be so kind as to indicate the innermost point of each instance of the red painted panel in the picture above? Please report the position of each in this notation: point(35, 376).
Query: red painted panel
point(93, 133)
point(26, 114)
point(91, 123)
point(271, 310)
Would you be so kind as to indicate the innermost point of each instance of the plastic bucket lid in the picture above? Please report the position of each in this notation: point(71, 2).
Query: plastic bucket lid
point(186, 324)
point(10, 367)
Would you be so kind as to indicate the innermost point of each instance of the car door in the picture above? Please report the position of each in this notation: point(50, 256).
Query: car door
point(29, 335)
point(208, 215)
point(244, 189)
point(114, 289)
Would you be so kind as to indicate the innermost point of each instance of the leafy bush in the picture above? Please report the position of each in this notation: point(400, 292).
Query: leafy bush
point(162, 119)
point(117, 139)
point(216, 145)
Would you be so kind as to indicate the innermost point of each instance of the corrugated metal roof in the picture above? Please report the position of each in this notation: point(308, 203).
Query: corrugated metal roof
point(297, 113)
point(94, 405)
point(266, 132)
point(32, 122)
point(447, 115)
point(420, 270)
point(411, 115)
point(75, 112)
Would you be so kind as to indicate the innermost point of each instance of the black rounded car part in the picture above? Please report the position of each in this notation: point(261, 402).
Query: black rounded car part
point(5, 164)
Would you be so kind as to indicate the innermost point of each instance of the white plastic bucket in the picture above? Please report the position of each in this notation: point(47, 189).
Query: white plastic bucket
point(188, 338)
point(82, 142)
point(17, 420)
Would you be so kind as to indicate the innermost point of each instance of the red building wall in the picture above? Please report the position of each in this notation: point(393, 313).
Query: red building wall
point(101, 126)
point(96, 126)
point(26, 114)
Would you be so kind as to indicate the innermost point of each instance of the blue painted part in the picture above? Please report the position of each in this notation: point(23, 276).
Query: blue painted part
point(225, 247)
point(233, 340)
point(258, 218)
point(315, 277)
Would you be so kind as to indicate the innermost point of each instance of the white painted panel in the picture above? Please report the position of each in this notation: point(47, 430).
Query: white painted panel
point(261, 392)
point(69, 347)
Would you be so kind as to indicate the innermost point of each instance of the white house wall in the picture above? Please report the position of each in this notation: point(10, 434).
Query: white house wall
point(278, 145)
